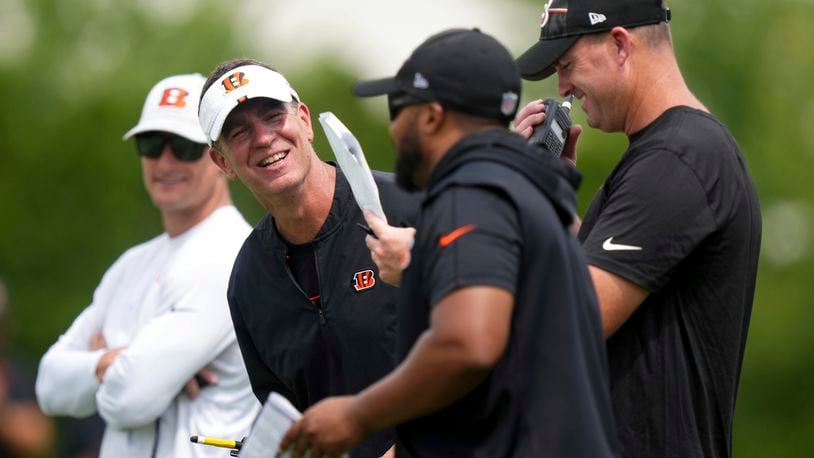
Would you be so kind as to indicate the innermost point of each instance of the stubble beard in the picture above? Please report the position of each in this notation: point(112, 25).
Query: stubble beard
point(408, 161)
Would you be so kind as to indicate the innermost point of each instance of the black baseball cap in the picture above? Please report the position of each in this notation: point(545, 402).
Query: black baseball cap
point(462, 69)
point(564, 21)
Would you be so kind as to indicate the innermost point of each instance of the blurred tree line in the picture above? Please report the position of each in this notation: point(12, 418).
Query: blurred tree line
point(74, 74)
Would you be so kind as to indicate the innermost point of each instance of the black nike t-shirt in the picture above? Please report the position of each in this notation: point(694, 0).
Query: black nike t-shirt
point(467, 237)
point(546, 395)
point(477, 243)
point(678, 216)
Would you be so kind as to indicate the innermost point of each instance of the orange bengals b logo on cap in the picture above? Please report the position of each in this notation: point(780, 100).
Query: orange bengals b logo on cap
point(174, 97)
point(549, 11)
point(234, 81)
point(364, 279)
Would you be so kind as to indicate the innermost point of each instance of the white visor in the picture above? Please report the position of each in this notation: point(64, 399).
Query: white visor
point(237, 86)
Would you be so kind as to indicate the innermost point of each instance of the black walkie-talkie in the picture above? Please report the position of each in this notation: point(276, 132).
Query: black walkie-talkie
point(552, 133)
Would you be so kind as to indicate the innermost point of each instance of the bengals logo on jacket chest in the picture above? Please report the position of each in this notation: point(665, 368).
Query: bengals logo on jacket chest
point(364, 279)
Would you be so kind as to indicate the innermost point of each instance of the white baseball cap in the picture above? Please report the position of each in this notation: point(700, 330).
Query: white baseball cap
point(172, 106)
point(236, 86)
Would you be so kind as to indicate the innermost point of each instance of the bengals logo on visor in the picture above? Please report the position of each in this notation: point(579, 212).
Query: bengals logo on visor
point(234, 81)
point(364, 279)
point(549, 11)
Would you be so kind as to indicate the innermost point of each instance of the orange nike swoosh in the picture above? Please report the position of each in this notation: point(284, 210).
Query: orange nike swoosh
point(446, 240)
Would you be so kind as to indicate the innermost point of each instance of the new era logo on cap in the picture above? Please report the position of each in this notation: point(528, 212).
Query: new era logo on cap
point(419, 82)
point(596, 18)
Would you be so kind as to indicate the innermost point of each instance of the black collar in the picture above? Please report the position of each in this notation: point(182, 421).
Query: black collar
point(341, 204)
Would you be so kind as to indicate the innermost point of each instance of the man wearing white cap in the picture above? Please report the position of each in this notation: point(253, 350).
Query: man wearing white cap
point(159, 315)
point(311, 314)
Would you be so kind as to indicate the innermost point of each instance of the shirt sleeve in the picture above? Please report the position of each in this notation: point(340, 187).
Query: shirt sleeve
point(168, 351)
point(651, 219)
point(71, 360)
point(474, 241)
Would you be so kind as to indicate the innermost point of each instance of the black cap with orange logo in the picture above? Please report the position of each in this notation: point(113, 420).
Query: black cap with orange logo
point(564, 21)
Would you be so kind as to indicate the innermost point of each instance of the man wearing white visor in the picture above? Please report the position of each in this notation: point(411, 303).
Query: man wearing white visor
point(312, 317)
point(159, 315)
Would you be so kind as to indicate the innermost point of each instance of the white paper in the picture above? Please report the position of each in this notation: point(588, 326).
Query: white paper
point(272, 423)
point(274, 420)
point(352, 161)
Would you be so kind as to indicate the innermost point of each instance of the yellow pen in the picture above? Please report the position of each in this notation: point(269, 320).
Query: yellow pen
point(215, 442)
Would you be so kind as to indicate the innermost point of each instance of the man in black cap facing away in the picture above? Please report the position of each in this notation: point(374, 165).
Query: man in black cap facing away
point(499, 335)
point(673, 235)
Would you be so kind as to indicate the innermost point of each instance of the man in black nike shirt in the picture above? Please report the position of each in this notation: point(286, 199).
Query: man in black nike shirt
point(673, 235)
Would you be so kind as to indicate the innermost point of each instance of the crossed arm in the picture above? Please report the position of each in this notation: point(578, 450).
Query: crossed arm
point(129, 386)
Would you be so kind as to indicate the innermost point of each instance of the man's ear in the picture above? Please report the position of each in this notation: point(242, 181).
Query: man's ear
point(220, 160)
point(432, 118)
point(622, 41)
point(305, 117)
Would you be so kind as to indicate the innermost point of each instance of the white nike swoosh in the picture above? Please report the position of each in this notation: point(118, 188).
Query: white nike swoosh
point(610, 246)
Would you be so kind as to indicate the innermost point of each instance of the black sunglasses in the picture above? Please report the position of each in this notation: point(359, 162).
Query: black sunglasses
point(399, 100)
point(151, 145)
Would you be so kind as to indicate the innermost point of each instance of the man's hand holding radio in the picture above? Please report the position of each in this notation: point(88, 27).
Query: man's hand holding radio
point(534, 115)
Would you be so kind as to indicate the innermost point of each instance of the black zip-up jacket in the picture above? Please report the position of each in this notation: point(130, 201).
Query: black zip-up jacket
point(305, 352)
point(547, 396)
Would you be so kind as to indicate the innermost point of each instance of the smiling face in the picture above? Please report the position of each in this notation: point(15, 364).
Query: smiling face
point(178, 187)
point(267, 145)
point(590, 71)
